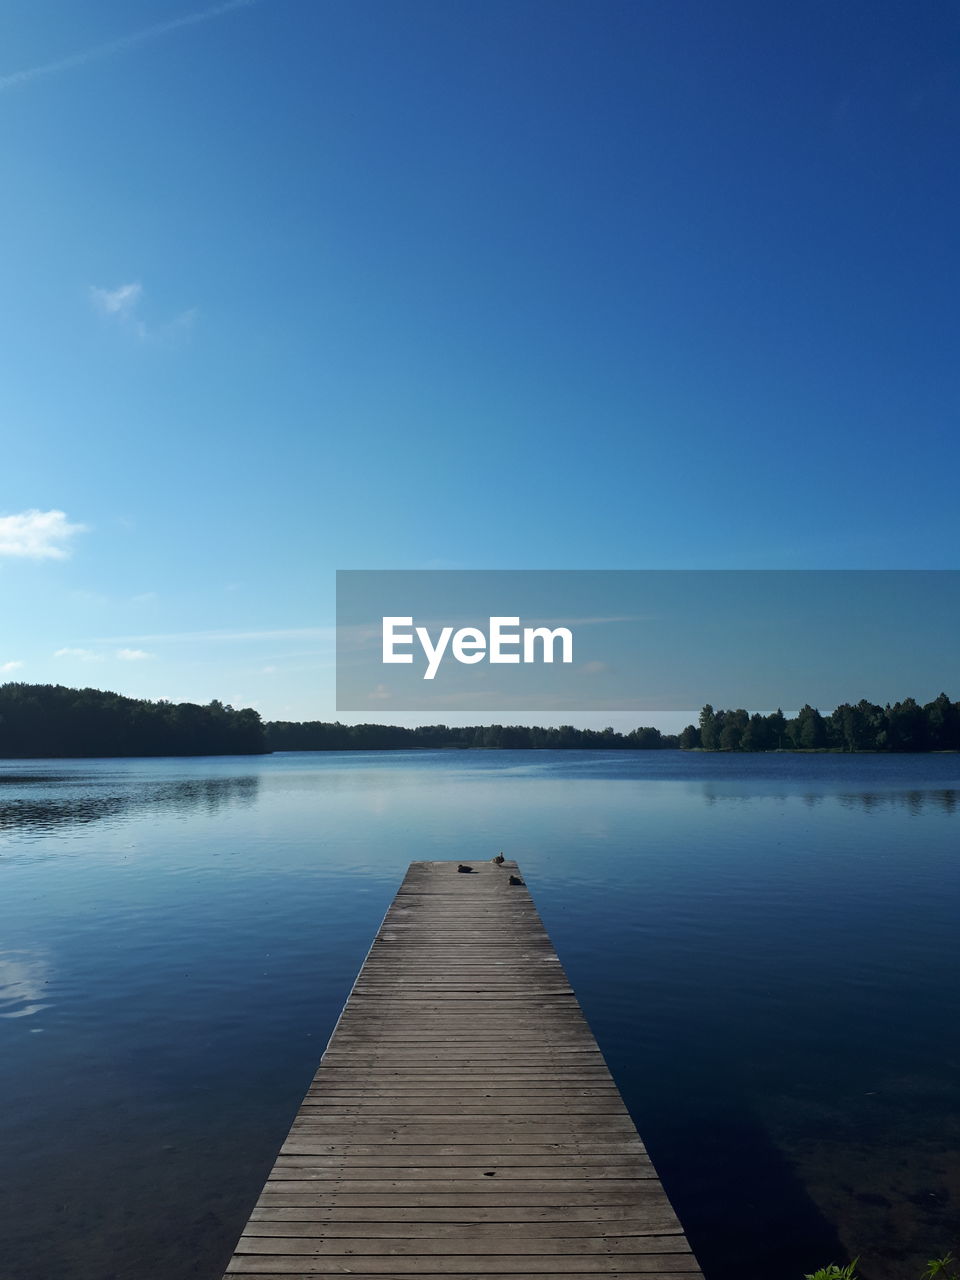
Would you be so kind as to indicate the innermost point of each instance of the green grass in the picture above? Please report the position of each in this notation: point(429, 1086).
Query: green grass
point(945, 1268)
point(833, 1272)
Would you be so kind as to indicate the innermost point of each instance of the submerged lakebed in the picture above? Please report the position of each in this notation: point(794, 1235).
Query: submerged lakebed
point(766, 948)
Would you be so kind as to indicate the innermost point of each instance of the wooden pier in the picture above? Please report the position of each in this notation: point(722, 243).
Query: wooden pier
point(462, 1122)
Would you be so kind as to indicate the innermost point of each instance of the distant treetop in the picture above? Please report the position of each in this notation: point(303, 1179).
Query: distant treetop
point(49, 720)
point(905, 726)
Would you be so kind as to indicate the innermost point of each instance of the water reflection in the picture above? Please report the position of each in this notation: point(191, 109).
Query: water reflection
point(49, 802)
point(23, 978)
point(915, 802)
point(765, 947)
point(944, 799)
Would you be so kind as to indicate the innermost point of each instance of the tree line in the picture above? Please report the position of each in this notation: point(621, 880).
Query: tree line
point(53, 720)
point(50, 720)
point(320, 735)
point(905, 726)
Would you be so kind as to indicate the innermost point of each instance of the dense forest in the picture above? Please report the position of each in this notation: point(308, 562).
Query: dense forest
point(48, 720)
point(905, 726)
point(44, 720)
point(318, 735)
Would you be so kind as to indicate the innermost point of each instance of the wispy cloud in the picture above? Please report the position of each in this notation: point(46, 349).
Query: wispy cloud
point(16, 79)
point(193, 637)
point(177, 328)
point(80, 595)
point(11, 666)
point(91, 655)
point(37, 535)
point(122, 305)
point(117, 302)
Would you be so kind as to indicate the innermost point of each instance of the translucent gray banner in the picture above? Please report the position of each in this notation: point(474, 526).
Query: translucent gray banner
point(552, 641)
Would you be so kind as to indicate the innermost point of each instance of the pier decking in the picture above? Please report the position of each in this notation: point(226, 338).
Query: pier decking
point(462, 1121)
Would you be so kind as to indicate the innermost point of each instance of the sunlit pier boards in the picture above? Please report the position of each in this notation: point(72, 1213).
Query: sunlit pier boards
point(462, 1121)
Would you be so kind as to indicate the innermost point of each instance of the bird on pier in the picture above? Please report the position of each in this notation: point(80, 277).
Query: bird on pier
point(464, 868)
point(515, 880)
point(500, 859)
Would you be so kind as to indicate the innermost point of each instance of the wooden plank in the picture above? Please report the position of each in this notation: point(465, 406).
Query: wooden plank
point(489, 1246)
point(305, 1269)
point(439, 1110)
point(472, 1187)
point(466, 1158)
point(648, 1269)
point(371, 1192)
point(550, 1127)
point(462, 1121)
point(513, 1235)
point(337, 1170)
point(613, 1217)
point(394, 1268)
point(471, 1152)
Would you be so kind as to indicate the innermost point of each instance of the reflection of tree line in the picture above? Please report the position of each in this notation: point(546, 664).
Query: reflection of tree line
point(905, 726)
point(49, 720)
point(944, 799)
point(81, 807)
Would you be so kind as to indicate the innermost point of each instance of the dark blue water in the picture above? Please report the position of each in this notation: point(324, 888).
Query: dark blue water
point(767, 947)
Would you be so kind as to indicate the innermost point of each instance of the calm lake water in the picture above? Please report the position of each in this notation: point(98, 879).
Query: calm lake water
point(767, 948)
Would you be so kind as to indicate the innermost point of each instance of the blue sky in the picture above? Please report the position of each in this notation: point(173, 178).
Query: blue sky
point(292, 287)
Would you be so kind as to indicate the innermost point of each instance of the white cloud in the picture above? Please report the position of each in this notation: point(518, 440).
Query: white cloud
point(37, 535)
point(123, 305)
point(181, 323)
point(133, 655)
point(82, 655)
point(117, 302)
point(290, 633)
point(16, 78)
point(88, 597)
point(10, 666)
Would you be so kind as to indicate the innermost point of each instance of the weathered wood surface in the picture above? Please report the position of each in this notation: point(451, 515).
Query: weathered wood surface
point(462, 1121)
